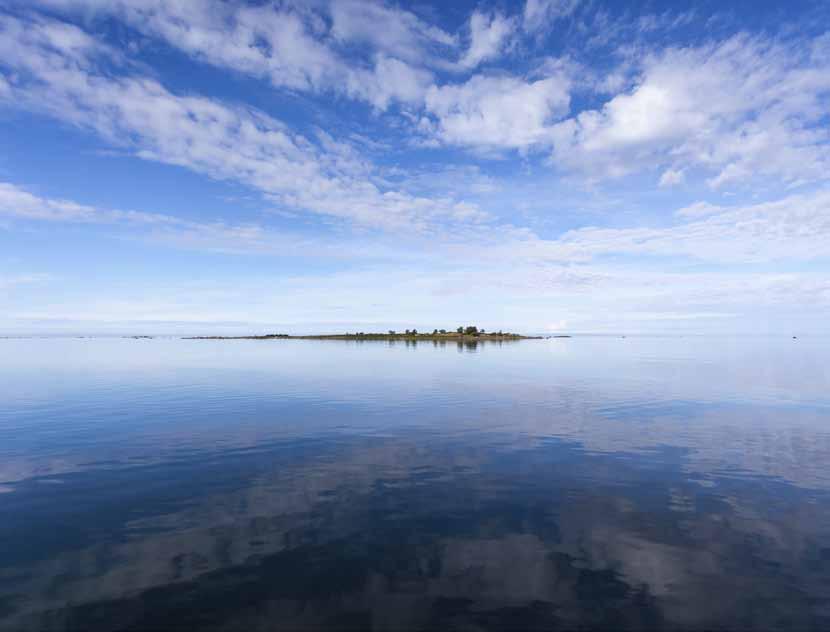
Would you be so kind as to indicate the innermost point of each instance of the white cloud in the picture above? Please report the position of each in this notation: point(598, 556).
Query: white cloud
point(390, 80)
point(20, 204)
point(262, 40)
point(794, 228)
point(498, 111)
point(207, 136)
point(389, 30)
point(672, 177)
point(288, 45)
point(488, 35)
point(699, 209)
point(218, 236)
point(744, 107)
point(539, 14)
point(16, 202)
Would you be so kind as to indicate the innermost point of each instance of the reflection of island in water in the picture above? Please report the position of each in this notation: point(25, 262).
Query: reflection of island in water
point(400, 533)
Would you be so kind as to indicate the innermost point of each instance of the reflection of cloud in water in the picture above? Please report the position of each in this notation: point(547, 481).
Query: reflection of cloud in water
point(788, 442)
point(726, 440)
point(402, 532)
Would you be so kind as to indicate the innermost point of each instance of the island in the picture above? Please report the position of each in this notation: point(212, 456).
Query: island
point(461, 334)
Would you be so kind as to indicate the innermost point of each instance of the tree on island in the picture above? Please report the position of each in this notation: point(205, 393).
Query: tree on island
point(442, 331)
point(391, 332)
point(460, 330)
point(471, 331)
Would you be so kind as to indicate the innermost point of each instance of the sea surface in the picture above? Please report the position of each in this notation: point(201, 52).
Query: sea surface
point(586, 482)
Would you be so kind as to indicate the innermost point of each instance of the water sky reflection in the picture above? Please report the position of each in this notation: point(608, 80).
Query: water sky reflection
point(645, 482)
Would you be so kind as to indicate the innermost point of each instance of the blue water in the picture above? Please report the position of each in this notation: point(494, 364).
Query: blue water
point(638, 482)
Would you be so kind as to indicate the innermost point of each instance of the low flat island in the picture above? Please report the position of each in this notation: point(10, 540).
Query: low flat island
point(462, 334)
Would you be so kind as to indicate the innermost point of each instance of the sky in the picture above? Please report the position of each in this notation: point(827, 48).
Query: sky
point(547, 166)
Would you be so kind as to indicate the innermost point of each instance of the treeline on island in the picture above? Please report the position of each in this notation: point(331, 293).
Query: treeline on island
point(469, 331)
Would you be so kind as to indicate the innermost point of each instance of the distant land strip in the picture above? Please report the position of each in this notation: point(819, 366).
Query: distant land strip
point(464, 336)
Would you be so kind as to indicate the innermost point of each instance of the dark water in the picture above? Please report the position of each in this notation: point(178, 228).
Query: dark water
point(673, 483)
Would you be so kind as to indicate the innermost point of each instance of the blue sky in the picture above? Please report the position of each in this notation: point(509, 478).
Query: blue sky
point(554, 165)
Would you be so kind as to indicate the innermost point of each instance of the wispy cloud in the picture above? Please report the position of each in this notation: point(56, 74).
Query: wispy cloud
point(794, 228)
point(541, 14)
point(209, 236)
point(207, 136)
point(489, 34)
point(293, 45)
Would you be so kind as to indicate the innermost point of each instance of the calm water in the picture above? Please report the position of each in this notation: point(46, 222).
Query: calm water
point(585, 482)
